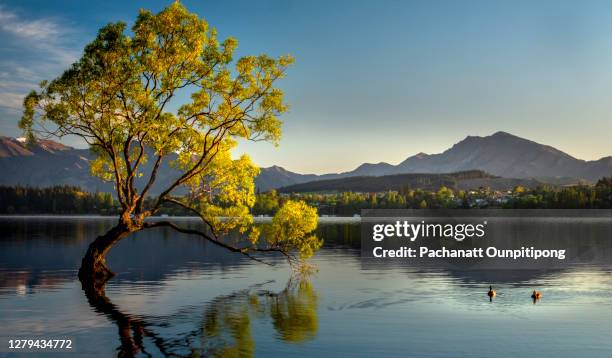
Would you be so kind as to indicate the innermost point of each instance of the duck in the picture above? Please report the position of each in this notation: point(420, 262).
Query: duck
point(491, 292)
point(536, 295)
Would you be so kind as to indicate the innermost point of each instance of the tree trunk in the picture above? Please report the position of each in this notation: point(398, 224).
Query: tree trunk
point(93, 266)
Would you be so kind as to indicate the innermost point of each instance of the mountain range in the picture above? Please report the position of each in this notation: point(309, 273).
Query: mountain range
point(500, 154)
point(467, 180)
point(49, 163)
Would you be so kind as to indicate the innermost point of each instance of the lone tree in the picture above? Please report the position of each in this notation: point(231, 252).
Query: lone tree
point(117, 98)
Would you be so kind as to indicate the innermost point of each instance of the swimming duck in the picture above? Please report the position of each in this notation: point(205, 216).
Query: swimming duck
point(491, 292)
point(536, 295)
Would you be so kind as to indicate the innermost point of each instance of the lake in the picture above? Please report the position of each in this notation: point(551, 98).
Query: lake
point(178, 295)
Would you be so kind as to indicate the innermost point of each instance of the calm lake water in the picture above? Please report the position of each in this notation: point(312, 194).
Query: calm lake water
point(178, 295)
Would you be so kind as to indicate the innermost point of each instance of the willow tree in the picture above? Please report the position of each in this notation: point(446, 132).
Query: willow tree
point(170, 92)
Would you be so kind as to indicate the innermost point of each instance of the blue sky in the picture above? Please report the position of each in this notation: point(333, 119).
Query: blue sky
point(373, 80)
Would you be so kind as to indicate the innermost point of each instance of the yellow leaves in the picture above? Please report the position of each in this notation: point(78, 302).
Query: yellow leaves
point(519, 189)
point(309, 245)
point(235, 182)
point(226, 219)
point(295, 219)
point(274, 101)
point(101, 168)
point(229, 46)
point(292, 227)
point(285, 61)
point(245, 65)
point(213, 43)
point(26, 122)
point(231, 181)
point(123, 92)
point(225, 188)
point(254, 235)
point(222, 82)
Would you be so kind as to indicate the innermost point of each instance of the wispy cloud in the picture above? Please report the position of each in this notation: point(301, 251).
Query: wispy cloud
point(13, 85)
point(32, 49)
point(38, 29)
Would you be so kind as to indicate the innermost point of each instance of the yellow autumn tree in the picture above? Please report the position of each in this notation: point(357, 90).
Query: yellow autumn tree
point(117, 98)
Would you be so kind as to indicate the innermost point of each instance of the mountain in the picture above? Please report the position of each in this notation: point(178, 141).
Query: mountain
point(275, 177)
point(461, 180)
point(505, 155)
point(13, 147)
point(47, 163)
point(501, 154)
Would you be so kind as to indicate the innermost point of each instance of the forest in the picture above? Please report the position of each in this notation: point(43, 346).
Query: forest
point(597, 196)
point(70, 200)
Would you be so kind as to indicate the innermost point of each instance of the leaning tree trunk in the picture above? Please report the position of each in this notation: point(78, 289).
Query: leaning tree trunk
point(93, 266)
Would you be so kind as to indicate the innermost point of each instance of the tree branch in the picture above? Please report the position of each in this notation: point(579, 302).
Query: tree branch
point(243, 251)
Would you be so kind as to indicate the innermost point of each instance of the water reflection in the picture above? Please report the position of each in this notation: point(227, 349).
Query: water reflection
point(225, 328)
point(131, 329)
point(175, 295)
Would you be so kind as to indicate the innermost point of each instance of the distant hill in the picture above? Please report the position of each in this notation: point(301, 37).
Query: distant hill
point(461, 180)
point(46, 163)
point(505, 155)
point(49, 163)
point(501, 154)
point(274, 177)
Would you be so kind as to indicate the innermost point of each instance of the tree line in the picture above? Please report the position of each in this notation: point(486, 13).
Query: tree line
point(55, 200)
point(597, 196)
point(72, 200)
point(65, 200)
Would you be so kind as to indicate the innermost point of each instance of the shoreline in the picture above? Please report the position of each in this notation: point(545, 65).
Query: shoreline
point(533, 215)
point(256, 219)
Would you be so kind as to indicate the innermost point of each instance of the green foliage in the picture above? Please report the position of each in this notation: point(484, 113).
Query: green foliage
point(267, 203)
point(574, 197)
point(292, 227)
point(118, 98)
point(55, 200)
point(598, 196)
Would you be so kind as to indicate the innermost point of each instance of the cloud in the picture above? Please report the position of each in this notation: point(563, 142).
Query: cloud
point(33, 49)
point(46, 35)
point(13, 86)
point(39, 29)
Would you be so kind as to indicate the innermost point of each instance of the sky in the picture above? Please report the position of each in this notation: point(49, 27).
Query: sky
point(373, 80)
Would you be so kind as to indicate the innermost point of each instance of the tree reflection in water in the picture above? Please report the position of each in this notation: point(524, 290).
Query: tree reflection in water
point(225, 328)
